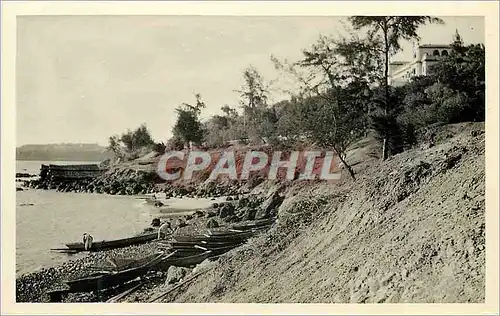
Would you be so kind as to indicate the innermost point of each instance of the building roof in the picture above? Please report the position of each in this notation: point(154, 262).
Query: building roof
point(399, 62)
point(434, 46)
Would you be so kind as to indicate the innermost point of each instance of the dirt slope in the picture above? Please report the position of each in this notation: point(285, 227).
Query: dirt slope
point(408, 230)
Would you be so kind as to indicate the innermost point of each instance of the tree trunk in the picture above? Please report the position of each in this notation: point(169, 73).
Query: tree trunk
point(346, 165)
point(386, 87)
point(384, 149)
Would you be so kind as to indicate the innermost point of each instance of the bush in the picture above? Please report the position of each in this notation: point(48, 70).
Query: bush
point(160, 148)
point(174, 144)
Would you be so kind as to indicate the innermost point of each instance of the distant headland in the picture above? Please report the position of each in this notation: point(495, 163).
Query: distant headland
point(62, 152)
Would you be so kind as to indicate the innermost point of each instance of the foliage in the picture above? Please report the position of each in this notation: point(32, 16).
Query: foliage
point(341, 92)
point(384, 37)
point(454, 93)
point(130, 143)
point(160, 148)
point(463, 71)
point(174, 144)
point(188, 127)
point(137, 139)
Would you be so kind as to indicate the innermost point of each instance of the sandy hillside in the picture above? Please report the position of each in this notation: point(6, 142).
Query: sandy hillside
point(408, 230)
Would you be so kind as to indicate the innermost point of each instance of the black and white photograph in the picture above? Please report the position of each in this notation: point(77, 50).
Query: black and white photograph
point(318, 159)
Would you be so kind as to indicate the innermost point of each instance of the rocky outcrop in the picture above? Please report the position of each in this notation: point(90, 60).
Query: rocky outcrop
point(175, 274)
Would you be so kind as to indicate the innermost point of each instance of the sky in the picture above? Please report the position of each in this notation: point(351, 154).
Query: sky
point(82, 79)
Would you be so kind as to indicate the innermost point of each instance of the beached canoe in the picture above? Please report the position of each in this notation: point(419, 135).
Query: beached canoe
point(179, 259)
point(101, 281)
point(203, 243)
point(117, 243)
point(234, 237)
point(254, 224)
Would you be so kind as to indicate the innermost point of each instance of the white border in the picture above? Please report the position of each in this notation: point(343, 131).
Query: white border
point(317, 8)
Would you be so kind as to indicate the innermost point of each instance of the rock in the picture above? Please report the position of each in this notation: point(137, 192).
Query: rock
point(175, 274)
point(215, 205)
point(226, 210)
point(212, 223)
point(232, 219)
point(181, 223)
point(188, 217)
point(272, 202)
point(205, 265)
point(156, 222)
point(19, 189)
point(229, 198)
point(243, 202)
point(210, 214)
point(199, 213)
point(158, 204)
point(248, 213)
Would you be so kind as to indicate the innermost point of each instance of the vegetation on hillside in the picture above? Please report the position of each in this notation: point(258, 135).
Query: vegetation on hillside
point(342, 94)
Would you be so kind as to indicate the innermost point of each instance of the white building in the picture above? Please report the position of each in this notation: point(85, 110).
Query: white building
point(424, 56)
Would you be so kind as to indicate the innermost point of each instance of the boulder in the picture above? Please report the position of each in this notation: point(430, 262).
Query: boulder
point(158, 204)
point(243, 202)
point(232, 219)
point(272, 202)
point(212, 223)
point(175, 274)
point(226, 210)
point(248, 213)
point(210, 214)
point(156, 222)
point(181, 223)
point(199, 213)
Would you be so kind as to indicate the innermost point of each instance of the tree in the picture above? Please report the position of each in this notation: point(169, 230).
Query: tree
point(253, 93)
point(463, 71)
point(137, 139)
point(142, 137)
point(114, 145)
point(389, 31)
point(253, 99)
point(316, 72)
point(331, 122)
point(188, 127)
point(331, 112)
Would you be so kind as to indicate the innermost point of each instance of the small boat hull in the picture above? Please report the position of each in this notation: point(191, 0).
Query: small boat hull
point(111, 244)
point(101, 281)
point(183, 261)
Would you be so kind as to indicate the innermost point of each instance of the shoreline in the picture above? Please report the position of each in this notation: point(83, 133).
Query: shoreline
point(33, 286)
point(172, 209)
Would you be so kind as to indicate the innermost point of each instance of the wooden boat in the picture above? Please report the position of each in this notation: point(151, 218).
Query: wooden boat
point(254, 224)
point(101, 281)
point(64, 250)
point(180, 260)
point(221, 250)
point(223, 232)
point(203, 243)
point(120, 264)
point(216, 238)
point(117, 243)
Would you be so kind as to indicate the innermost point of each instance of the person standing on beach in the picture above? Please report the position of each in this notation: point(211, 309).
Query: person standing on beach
point(165, 229)
point(87, 241)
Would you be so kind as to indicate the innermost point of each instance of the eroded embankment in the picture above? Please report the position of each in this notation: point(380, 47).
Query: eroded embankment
point(410, 229)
